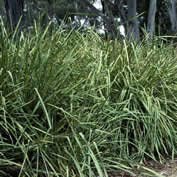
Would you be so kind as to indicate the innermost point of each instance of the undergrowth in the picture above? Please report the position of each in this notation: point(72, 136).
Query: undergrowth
point(77, 105)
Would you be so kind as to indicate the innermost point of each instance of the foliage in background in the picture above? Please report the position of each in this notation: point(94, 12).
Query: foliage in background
point(156, 17)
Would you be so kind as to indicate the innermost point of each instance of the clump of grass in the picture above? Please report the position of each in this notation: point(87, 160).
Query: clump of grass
point(74, 105)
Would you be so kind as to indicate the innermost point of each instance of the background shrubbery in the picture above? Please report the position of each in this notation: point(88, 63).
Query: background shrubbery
point(74, 105)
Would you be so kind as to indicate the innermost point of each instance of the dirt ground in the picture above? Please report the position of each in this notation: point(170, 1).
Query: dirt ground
point(168, 168)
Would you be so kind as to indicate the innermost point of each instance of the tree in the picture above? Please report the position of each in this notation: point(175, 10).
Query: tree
point(134, 15)
point(173, 15)
point(14, 11)
point(133, 27)
point(151, 18)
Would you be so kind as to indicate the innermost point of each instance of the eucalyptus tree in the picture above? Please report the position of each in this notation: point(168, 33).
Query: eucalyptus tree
point(133, 27)
point(110, 9)
point(14, 11)
point(151, 17)
point(132, 14)
point(173, 15)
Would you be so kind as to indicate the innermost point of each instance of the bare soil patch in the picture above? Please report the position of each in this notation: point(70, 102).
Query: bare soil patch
point(168, 168)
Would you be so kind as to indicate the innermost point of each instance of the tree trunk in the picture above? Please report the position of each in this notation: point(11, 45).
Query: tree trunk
point(109, 29)
point(104, 12)
point(97, 13)
point(14, 11)
point(133, 24)
point(172, 13)
point(151, 18)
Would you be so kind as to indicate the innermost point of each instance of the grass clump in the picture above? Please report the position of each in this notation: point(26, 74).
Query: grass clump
point(74, 105)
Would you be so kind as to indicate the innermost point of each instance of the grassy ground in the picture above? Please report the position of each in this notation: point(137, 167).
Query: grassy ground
point(78, 106)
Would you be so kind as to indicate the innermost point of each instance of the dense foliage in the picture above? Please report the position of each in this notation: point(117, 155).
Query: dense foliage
point(74, 105)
